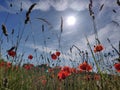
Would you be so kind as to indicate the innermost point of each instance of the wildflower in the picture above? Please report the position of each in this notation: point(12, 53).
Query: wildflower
point(28, 66)
point(11, 53)
point(66, 69)
point(57, 53)
point(62, 75)
point(85, 67)
point(53, 56)
point(98, 48)
point(30, 57)
point(117, 67)
point(65, 72)
point(9, 65)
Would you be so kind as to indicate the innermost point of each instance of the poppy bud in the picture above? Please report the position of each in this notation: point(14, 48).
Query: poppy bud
point(58, 53)
point(30, 57)
point(53, 56)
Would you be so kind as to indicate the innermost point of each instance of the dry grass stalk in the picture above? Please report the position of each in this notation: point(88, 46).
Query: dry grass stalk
point(118, 2)
point(101, 7)
point(42, 28)
point(47, 22)
point(114, 11)
point(12, 48)
point(4, 29)
point(113, 47)
point(28, 13)
point(61, 26)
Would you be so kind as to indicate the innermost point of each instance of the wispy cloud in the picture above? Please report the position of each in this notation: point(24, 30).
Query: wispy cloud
point(109, 31)
point(45, 5)
point(40, 48)
point(59, 5)
point(4, 9)
point(79, 5)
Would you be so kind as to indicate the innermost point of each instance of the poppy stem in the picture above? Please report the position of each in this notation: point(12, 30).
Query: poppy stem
point(93, 54)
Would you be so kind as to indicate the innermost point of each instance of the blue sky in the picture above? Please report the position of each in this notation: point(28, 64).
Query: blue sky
point(52, 11)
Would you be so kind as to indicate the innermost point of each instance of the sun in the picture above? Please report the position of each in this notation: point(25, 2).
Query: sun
point(71, 20)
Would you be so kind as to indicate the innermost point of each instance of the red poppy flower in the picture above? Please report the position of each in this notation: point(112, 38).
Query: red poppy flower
point(117, 67)
point(85, 67)
point(66, 69)
point(98, 48)
point(62, 75)
point(53, 56)
point(28, 66)
point(30, 57)
point(58, 53)
point(12, 53)
point(9, 65)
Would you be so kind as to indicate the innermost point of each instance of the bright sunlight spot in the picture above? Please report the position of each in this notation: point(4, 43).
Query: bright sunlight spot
point(71, 20)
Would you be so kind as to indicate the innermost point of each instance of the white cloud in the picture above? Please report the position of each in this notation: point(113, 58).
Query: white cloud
point(109, 31)
point(25, 4)
point(40, 48)
point(78, 5)
point(108, 3)
point(43, 5)
point(59, 5)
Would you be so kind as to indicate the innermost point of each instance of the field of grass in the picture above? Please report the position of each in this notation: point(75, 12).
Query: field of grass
point(46, 78)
